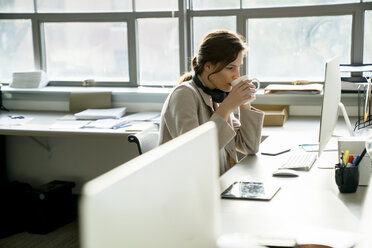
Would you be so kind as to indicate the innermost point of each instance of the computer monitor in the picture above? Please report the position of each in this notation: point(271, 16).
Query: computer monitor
point(167, 197)
point(331, 104)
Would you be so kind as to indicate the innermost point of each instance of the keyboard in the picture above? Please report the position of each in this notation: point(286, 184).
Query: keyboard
point(300, 161)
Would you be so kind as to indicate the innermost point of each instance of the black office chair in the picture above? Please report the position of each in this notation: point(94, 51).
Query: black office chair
point(145, 141)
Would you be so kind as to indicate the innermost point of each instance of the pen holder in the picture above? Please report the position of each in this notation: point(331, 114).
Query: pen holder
point(347, 178)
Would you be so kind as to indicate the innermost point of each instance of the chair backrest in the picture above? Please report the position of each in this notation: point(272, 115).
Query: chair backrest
point(145, 141)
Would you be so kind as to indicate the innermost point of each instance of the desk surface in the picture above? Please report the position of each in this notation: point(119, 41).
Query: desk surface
point(310, 200)
point(40, 124)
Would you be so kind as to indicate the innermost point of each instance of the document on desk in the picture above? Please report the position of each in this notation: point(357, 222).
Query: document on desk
point(303, 235)
point(14, 120)
point(68, 124)
point(107, 123)
point(135, 127)
point(143, 116)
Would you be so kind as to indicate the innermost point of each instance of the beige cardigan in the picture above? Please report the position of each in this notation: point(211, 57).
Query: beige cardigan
point(187, 107)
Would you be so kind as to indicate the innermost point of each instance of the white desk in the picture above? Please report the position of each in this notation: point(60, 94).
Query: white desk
point(37, 153)
point(41, 124)
point(310, 200)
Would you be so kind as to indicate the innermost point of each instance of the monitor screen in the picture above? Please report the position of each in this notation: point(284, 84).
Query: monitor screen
point(331, 100)
point(167, 197)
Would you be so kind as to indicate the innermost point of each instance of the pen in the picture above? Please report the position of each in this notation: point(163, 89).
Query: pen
point(308, 144)
point(355, 160)
point(342, 159)
point(16, 116)
point(346, 156)
point(361, 157)
point(126, 124)
point(350, 159)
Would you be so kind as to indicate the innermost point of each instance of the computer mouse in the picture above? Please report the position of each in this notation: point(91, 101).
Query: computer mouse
point(285, 173)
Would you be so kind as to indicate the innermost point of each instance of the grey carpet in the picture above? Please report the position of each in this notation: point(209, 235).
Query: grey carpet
point(64, 237)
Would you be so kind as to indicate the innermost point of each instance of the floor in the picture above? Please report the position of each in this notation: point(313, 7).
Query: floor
point(64, 237)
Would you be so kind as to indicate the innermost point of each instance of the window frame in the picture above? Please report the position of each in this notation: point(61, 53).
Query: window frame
point(185, 14)
point(356, 10)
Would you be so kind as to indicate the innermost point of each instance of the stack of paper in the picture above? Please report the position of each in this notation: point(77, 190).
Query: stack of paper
point(33, 79)
point(94, 114)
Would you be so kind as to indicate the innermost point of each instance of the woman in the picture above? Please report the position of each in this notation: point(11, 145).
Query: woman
point(206, 95)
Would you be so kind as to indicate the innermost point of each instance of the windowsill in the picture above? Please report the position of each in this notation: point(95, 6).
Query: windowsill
point(141, 98)
point(57, 89)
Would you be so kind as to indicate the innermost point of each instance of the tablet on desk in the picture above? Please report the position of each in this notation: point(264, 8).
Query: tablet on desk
point(251, 191)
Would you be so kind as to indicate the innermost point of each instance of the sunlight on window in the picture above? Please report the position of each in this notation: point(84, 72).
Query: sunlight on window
point(83, 6)
point(204, 25)
point(286, 3)
point(288, 49)
point(79, 51)
point(158, 51)
point(368, 38)
point(15, 48)
point(16, 6)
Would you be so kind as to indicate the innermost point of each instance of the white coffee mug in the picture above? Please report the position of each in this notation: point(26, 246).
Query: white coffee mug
point(245, 77)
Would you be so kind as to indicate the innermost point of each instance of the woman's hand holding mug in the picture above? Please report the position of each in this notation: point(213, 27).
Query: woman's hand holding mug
point(253, 81)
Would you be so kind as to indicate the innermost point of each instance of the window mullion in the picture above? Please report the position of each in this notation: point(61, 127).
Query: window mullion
point(38, 41)
point(183, 34)
point(357, 39)
point(133, 52)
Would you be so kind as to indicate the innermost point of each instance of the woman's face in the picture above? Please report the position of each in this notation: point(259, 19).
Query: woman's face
point(222, 79)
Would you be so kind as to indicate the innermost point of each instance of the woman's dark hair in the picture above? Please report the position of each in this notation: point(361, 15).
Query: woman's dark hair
point(220, 48)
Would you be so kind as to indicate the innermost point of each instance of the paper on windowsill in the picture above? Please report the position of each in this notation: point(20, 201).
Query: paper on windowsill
point(293, 89)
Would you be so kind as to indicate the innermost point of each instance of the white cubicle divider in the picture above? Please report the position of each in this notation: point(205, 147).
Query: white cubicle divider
point(168, 197)
point(366, 221)
point(356, 145)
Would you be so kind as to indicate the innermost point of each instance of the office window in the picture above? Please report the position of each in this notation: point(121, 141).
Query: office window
point(83, 5)
point(158, 5)
point(79, 51)
point(136, 42)
point(158, 51)
point(368, 37)
point(16, 51)
point(288, 49)
point(215, 4)
point(286, 3)
point(204, 25)
point(16, 6)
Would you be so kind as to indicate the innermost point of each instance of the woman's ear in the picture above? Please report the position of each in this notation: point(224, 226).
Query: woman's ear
point(208, 67)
